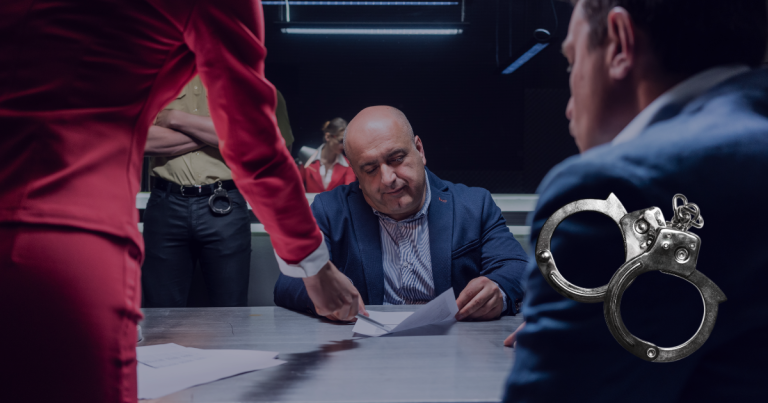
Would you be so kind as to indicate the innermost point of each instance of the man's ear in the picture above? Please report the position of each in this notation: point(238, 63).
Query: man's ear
point(420, 149)
point(620, 52)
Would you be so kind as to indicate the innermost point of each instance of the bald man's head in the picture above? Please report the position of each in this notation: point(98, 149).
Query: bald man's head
point(377, 118)
point(388, 160)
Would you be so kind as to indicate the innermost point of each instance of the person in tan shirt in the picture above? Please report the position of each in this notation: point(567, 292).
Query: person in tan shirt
point(195, 212)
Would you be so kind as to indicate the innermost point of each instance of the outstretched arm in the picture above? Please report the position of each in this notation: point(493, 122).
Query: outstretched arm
point(227, 38)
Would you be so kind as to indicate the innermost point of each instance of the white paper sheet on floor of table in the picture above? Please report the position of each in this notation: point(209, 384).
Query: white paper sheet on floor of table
point(440, 309)
point(167, 368)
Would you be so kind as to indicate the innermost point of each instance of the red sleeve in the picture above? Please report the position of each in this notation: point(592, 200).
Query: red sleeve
point(303, 174)
point(227, 37)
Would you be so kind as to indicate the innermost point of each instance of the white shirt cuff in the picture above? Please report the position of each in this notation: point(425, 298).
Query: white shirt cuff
point(503, 296)
point(307, 267)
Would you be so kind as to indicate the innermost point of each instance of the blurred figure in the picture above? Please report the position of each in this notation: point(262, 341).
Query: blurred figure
point(327, 168)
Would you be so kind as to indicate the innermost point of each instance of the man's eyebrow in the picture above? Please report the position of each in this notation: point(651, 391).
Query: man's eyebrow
point(369, 163)
point(397, 151)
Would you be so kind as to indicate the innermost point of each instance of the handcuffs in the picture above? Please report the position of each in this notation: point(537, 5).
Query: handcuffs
point(220, 193)
point(650, 244)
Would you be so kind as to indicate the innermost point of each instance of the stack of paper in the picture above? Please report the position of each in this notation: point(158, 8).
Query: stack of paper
point(441, 310)
point(168, 368)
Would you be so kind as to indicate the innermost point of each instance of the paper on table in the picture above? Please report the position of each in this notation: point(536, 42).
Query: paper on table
point(183, 367)
point(443, 308)
point(166, 355)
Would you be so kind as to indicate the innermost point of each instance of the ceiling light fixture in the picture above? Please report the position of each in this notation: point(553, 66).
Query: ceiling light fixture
point(372, 31)
point(360, 3)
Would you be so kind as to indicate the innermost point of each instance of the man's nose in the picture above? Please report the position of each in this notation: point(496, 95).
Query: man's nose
point(388, 176)
point(569, 109)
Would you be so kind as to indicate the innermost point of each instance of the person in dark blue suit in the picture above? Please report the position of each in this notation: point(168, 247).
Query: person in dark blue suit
point(664, 101)
point(404, 236)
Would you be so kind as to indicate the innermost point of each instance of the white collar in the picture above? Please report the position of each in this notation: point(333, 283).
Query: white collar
point(680, 94)
point(339, 159)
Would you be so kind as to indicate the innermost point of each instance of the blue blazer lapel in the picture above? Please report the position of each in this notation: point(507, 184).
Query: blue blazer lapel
point(366, 227)
point(440, 219)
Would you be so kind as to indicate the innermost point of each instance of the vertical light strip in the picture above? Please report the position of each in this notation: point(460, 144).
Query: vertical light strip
point(287, 10)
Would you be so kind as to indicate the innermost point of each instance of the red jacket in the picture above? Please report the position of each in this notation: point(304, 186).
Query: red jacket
point(313, 182)
point(81, 82)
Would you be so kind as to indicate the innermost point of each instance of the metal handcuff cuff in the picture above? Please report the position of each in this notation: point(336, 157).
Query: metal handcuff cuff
point(220, 193)
point(650, 244)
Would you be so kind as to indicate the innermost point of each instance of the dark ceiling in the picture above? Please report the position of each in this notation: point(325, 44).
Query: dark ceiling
point(479, 127)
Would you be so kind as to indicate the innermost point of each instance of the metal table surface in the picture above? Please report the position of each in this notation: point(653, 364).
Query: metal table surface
point(465, 362)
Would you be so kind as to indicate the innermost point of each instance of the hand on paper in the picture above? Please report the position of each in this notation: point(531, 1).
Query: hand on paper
point(360, 309)
point(333, 293)
point(480, 300)
point(512, 338)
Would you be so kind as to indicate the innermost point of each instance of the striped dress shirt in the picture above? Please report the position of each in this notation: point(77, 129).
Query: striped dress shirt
point(406, 258)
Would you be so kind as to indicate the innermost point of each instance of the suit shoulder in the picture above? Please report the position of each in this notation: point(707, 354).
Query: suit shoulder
point(336, 198)
point(470, 201)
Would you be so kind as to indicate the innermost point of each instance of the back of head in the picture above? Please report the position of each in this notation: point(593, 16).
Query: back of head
point(334, 126)
point(689, 36)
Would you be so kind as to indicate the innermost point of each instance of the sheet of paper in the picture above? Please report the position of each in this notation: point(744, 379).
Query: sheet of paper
point(391, 319)
point(166, 355)
point(441, 309)
point(167, 368)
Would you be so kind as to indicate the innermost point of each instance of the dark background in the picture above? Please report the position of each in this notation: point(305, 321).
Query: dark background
point(480, 128)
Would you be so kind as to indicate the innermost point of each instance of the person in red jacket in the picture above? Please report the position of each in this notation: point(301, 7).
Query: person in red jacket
point(328, 167)
point(80, 84)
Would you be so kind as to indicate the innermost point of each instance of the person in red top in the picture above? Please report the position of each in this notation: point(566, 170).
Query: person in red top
point(328, 167)
point(80, 84)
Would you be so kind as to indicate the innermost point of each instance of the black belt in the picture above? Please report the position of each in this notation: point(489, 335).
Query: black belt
point(193, 191)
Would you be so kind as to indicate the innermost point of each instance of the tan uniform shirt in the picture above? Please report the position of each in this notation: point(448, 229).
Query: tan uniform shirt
point(206, 165)
point(199, 167)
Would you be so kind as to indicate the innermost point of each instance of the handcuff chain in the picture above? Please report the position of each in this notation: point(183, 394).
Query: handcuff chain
point(686, 215)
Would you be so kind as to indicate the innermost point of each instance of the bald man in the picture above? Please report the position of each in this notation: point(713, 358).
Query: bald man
point(403, 236)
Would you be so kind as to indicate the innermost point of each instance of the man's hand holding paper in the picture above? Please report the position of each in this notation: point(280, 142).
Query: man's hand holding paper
point(482, 299)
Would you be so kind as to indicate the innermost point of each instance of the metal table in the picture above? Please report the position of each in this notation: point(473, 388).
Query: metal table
point(462, 363)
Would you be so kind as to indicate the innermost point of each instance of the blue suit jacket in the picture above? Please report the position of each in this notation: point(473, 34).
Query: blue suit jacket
point(715, 152)
point(468, 238)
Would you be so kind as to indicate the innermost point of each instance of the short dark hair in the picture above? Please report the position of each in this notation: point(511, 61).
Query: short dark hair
point(690, 36)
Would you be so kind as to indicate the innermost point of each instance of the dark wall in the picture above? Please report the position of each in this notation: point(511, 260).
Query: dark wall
point(501, 132)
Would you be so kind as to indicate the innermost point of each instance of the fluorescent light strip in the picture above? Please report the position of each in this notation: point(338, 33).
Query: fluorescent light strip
point(361, 3)
point(525, 57)
point(369, 31)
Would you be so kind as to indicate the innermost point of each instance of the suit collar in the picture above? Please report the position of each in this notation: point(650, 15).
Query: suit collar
point(440, 220)
point(670, 103)
point(365, 225)
point(340, 159)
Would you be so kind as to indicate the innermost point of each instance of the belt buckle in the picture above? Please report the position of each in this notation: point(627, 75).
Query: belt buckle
point(651, 244)
point(199, 190)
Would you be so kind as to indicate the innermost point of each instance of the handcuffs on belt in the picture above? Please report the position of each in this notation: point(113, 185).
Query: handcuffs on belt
point(650, 244)
point(220, 193)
